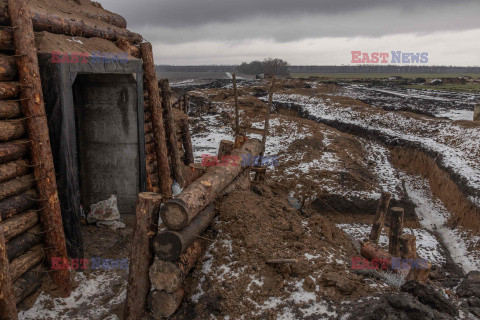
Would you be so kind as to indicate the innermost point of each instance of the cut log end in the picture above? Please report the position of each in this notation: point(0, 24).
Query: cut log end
point(174, 215)
point(164, 304)
point(168, 246)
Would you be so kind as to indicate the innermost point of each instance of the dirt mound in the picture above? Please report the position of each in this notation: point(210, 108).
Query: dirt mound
point(236, 279)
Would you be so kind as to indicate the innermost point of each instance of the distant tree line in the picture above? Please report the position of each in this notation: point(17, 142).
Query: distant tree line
point(274, 67)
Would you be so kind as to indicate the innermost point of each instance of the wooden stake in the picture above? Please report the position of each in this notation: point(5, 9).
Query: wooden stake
point(267, 116)
point(34, 109)
point(380, 217)
point(155, 108)
point(235, 93)
point(171, 132)
point(141, 256)
point(187, 141)
point(8, 310)
point(396, 231)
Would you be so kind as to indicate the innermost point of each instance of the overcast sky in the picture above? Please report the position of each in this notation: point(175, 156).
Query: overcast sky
point(303, 32)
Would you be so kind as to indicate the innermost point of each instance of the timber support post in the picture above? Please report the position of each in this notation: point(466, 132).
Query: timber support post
point(396, 231)
point(380, 217)
point(171, 132)
point(33, 109)
point(155, 108)
point(187, 141)
point(141, 256)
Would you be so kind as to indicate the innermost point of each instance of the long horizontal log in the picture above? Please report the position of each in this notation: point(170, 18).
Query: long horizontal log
point(169, 245)
point(164, 304)
point(8, 68)
point(108, 17)
point(11, 130)
point(24, 242)
point(16, 186)
point(29, 283)
point(6, 40)
point(14, 150)
point(19, 224)
point(81, 28)
point(18, 204)
point(169, 276)
point(22, 264)
point(13, 169)
point(242, 182)
point(9, 109)
point(9, 90)
point(177, 213)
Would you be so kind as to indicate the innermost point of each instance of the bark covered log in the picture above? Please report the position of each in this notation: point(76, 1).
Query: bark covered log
point(9, 90)
point(11, 130)
point(169, 276)
point(14, 150)
point(108, 17)
point(171, 133)
point(18, 204)
point(396, 231)
point(155, 108)
point(162, 304)
point(6, 40)
point(13, 169)
point(19, 224)
point(8, 310)
point(380, 215)
point(33, 108)
point(25, 262)
point(16, 186)
point(8, 68)
point(187, 141)
point(10, 109)
point(141, 256)
point(29, 283)
point(177, 213)
point(242, 182)
point(370, 251)
point(24, 242)
point(169, 245)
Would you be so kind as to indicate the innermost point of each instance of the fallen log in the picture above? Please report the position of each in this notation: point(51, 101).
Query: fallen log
point(8, 68)
point(141, 256)
point(169, 276)
point(24, 242)
point(8, 310)
point(171, 133)
point(187, 142)
point(155, 109)
point(396, 231)
point(162, 304)
point(179, 212)
point(242, 182)
point(11, 130)
point(370, 251)
point(14, 150)
point(19, 224)
point(6, 40)
point(9, 109)
point(16, 186)
point(13, 169)
point(18, 204)
point(9, 90)
point(29, 283)
point(380, 215)
point(169, 245)
point(193, 172)
point(25, 262)
point(33, 109)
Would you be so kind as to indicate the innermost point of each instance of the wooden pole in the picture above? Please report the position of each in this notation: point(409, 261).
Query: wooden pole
point(187, 141)
point(8, 310)
point(235, 93)
point(396, 231)
point(141, 256)
point(169, 245)
point(380, 217)
point(169, 276)
point(267, 116)
point(41, 154)
point(171, 132)
point(155, 108)
point(177, 213)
